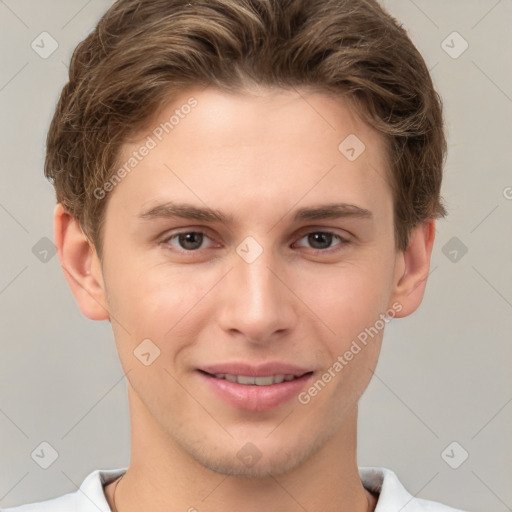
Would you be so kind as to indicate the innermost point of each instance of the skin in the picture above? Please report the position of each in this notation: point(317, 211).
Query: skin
point(258, 157)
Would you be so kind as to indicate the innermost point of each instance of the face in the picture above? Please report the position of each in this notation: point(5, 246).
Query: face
point(247, 243)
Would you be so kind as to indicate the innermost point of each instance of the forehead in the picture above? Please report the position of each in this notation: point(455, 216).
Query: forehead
point(267, 147)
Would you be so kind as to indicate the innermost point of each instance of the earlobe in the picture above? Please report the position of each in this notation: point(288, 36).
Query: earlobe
point(80, 264)
point(412, 269)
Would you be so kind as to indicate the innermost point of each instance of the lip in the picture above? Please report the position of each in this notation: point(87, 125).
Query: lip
point(252, 397)
point(262, 370)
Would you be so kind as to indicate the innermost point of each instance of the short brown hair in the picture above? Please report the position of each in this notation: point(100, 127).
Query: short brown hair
point(142, 52)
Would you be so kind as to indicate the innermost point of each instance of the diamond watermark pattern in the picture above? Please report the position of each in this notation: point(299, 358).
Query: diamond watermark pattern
point(44, 455)
point(44, 250)
point(454, 45)
point(249, 454)
point(249, 250)
point(147, 352)
point(352, 147)
point(454, 249)
point(44, 45)
point(454, 455)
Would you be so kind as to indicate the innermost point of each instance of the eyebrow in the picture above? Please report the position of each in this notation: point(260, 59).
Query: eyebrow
point(171, 210)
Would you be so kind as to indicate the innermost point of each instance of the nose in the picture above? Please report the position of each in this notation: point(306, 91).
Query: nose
point(256, 301)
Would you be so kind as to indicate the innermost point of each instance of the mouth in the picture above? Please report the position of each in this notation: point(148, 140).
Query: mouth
point(255, 389)
point(247, 380)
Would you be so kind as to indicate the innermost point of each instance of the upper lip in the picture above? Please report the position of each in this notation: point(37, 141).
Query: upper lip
point(260, 370)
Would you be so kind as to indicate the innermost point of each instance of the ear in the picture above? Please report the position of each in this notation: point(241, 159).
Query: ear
point(80, 264)
point(412, 269)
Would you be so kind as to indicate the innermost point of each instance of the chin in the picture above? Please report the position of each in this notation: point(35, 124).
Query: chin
point(258, 460)
point(264, 467)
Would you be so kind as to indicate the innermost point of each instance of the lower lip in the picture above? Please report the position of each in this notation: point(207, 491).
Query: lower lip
point(256, 398)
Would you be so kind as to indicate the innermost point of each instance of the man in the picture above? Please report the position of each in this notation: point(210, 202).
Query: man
point(247, 190)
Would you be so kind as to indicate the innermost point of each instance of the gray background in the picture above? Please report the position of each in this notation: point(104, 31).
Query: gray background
point(444, 373)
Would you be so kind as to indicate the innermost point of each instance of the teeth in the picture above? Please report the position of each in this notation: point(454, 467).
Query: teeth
point(258, 381)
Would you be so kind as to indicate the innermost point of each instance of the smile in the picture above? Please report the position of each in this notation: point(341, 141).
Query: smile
point(258, 381)
point(256, 393)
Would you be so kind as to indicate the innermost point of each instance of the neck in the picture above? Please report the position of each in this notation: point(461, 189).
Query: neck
point(164, 477)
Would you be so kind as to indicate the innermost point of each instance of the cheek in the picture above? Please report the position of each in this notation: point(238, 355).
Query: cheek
point(153, 309)
point(159, 303)
point(348, 298)
point(351, 305)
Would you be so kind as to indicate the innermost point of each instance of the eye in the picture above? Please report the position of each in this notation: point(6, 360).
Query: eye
point(193, 241)
point(321, 241)
point(187, 240)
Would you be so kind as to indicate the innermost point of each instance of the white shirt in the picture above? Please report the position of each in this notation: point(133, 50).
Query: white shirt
point(90, 497)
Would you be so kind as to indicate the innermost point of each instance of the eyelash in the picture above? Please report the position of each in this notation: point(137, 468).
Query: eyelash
point(338, 247)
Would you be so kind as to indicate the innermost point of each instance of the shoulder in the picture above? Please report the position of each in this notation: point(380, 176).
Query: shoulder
point(90, 497)
point(393, 496)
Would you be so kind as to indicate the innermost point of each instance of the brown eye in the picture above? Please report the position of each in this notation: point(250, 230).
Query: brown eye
point(322, 241)
point(187, 240)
